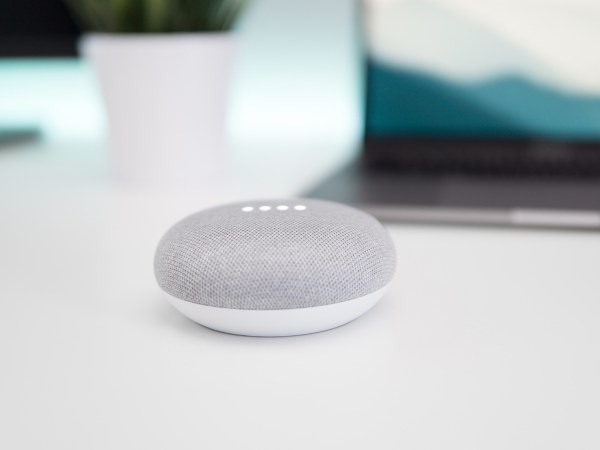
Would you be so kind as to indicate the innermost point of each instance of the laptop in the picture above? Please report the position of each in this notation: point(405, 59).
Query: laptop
point(508, 148)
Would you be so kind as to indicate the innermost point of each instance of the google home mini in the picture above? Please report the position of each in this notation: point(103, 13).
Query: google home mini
point(275, 267)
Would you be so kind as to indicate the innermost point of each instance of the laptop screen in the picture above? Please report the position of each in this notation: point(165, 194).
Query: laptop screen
point(466, 68)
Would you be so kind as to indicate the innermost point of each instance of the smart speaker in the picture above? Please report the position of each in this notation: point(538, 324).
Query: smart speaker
point(275, 267)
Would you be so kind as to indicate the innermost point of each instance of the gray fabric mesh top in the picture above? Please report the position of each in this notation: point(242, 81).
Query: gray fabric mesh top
point(276, 259)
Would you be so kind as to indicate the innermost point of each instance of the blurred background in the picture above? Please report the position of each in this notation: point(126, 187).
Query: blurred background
point(295, 85)
point(302, 85)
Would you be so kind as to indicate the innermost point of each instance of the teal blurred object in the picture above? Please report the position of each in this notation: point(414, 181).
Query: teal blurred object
point(402, 102)
point(13, 135)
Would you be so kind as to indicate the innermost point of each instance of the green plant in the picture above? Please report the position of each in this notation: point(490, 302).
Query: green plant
point(155, 16)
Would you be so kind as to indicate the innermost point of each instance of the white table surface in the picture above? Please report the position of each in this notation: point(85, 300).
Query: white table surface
point(488, 339)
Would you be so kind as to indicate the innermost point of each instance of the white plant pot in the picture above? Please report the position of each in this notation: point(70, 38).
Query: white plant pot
point(165, 97)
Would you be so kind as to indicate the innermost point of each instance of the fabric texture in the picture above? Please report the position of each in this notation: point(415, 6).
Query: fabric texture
point(277, 259)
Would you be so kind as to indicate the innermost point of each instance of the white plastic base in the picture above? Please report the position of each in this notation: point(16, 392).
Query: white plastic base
point(279, 322)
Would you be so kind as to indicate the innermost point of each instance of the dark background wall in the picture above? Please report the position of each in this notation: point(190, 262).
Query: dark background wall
point(36, 28)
